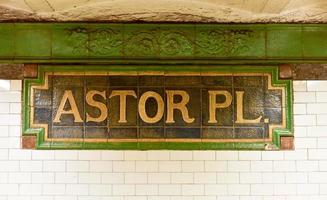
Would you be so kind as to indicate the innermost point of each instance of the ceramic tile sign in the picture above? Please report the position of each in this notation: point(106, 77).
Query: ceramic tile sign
point(158, 109)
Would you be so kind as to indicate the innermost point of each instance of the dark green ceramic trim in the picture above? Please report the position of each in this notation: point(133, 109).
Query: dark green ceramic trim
point(277, 133)
point(175, 43)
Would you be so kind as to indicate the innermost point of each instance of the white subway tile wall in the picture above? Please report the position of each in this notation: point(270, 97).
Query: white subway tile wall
point(169, 175)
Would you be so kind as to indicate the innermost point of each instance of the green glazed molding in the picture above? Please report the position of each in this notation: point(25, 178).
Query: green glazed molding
point(264, 145)
point(173, 43)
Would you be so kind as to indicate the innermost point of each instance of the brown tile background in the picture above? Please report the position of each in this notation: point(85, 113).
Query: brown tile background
point(257, 101)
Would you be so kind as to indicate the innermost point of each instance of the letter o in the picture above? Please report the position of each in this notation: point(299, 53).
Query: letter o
point(142, 110)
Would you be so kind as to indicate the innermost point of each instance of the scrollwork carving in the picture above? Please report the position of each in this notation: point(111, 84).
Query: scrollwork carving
point(175, 43)
point(100, 41)
point(160, 42)
point(79, 38)
point(224, 42)
point(142, 43)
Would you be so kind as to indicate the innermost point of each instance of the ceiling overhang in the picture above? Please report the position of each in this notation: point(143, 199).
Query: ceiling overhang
point(206, 11)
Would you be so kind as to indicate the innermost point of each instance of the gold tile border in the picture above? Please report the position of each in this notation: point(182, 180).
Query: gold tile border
point(45, 86)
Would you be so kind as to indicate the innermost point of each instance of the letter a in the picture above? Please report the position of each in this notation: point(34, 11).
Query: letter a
point(68, 96)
